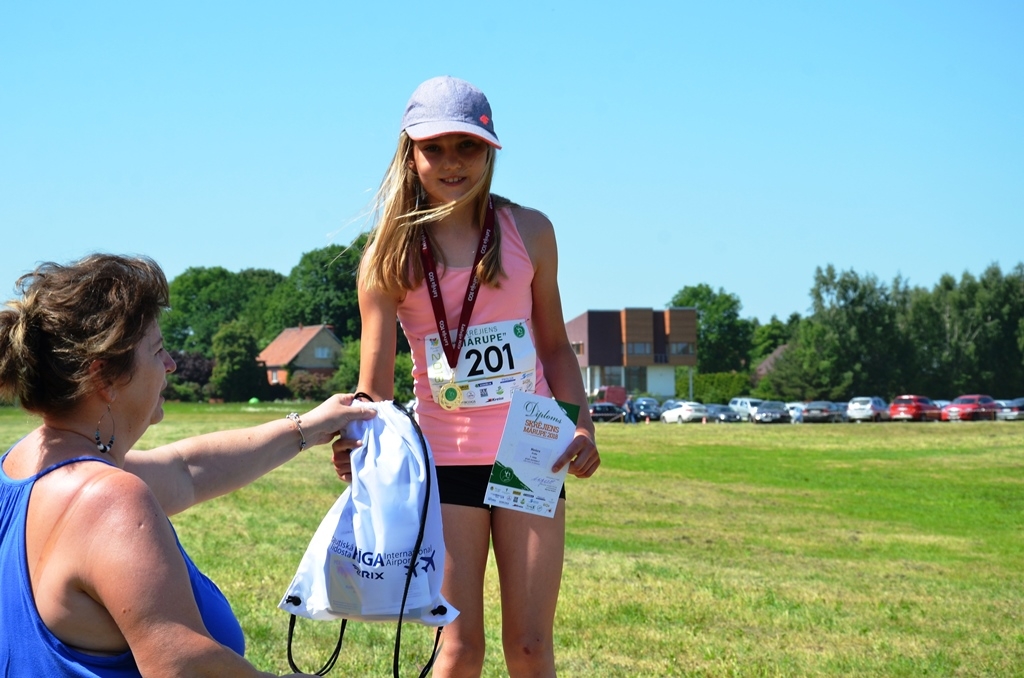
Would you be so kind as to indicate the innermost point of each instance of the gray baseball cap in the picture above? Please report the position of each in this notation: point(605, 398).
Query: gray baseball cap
point(446, 105)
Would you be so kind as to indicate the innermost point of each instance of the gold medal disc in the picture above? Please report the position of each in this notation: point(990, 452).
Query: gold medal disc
point(450, 397)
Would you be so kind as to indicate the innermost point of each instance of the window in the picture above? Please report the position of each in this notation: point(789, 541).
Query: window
point(638, 348)
point(636, 379)
point(577, 347)
point(273, 377)
point(611, 375)
point(681, 348)
point(322, 352)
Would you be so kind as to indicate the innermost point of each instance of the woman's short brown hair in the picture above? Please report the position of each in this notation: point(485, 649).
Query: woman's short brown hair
point(68, 317)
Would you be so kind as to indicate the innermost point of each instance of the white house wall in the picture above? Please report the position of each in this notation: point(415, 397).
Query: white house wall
point(661, 380)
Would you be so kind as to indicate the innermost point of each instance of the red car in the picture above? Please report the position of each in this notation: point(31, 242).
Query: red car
point(971, 408)
point(914, 408)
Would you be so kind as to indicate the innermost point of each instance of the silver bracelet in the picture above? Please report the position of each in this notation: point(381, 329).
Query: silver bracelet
point(294, 416)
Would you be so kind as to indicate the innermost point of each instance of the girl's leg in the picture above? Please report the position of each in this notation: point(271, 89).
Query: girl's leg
point(467, 533)
point(529, 551)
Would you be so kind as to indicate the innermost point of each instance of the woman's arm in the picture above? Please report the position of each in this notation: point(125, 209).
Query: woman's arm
point(561, 368)
point(196, 469)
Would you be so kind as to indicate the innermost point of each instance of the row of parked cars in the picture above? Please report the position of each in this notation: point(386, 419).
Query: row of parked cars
point(866, 408)
point(964, 408)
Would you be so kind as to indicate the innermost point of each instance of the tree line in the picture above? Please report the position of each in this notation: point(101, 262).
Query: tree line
point(865, 337)
point(220, 320)
point(860, 337)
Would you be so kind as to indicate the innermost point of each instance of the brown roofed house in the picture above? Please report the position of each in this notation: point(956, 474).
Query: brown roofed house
point(312, 349)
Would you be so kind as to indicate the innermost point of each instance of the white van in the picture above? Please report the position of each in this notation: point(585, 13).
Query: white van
point(745, 406)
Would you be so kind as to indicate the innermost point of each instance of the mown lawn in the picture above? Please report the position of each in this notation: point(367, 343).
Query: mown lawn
point(698, 550)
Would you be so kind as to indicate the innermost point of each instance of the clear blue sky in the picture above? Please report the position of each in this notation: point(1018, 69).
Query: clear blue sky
point(738, 144)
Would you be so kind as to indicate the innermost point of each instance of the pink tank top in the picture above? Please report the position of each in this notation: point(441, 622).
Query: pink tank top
point(469, 435)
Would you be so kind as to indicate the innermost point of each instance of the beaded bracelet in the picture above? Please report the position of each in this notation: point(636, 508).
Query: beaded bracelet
point(294, 416)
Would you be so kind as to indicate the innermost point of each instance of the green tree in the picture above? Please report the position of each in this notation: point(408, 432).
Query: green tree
point(723, 338)
point(320, 290)
point(861, 328)
point(810, 369)
point(202, 299)
point(717, 387)
point(999, 304)
point(766, 338)
point(258, 285)
point(237, 376)
point(967, 333)
point(346, 378)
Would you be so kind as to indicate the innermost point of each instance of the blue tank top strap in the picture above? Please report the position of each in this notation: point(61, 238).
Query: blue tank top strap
point(58, 465)
point(73, 460)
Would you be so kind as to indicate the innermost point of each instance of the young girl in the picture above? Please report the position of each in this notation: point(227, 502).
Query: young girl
point(446, 254)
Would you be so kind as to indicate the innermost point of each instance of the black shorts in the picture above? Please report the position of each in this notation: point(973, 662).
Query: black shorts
point(467, 485)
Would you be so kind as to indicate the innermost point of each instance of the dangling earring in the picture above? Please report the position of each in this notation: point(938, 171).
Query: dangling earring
point(99, 444)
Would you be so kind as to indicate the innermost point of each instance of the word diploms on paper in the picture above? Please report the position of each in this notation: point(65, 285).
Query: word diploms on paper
point(537, 431)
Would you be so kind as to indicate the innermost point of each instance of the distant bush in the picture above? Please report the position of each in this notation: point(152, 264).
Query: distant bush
point(309, 385)
point(185, 391)
point(718, 387)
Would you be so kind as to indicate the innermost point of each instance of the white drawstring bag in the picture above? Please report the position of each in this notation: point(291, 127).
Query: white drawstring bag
point(378, 554)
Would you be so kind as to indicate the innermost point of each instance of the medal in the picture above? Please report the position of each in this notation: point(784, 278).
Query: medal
point(450, 397)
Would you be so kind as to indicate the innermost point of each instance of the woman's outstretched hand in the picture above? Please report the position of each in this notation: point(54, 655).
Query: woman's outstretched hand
point(329, 419)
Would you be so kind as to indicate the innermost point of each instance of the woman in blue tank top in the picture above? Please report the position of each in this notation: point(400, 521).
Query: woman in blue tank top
point(93, 580)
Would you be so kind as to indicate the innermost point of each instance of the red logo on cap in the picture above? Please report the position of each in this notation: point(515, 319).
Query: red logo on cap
point(484, 119)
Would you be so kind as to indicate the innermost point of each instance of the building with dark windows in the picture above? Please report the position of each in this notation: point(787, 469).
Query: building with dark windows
point(638, 348)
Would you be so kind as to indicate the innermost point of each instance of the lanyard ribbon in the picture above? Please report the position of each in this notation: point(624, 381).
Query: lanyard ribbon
point(453, 346)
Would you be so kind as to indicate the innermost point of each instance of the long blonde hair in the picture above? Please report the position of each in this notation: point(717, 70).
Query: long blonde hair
point(391, 259)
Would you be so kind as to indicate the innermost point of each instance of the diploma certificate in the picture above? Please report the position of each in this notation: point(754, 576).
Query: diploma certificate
point(537, 431)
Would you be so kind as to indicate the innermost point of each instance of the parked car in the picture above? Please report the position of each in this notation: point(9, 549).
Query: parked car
point(722, 414)
point(970, 408)
point(772, 412)
point(1011, 410)
point(684, 413)
point(669, 403)
point(914, 408)
point(867, 408)
point(940, 403)
point(819, 411)
point(745, 406)
point(604, 411)
point(646, 408)
point(840, 410)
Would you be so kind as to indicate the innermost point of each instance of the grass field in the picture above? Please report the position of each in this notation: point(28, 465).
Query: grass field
point(739, 550)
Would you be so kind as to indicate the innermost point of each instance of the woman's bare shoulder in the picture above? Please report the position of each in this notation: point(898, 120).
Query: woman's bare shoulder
point(111, 494)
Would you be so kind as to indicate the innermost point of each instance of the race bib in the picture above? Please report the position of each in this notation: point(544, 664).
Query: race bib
point(496, 360)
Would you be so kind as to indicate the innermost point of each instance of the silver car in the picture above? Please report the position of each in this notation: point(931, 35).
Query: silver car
point(867, 408)
point(684, 413)
point(1010, 410)
point(745, 406)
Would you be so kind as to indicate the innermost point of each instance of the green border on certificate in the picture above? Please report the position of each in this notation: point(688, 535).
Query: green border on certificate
point(537, 431)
